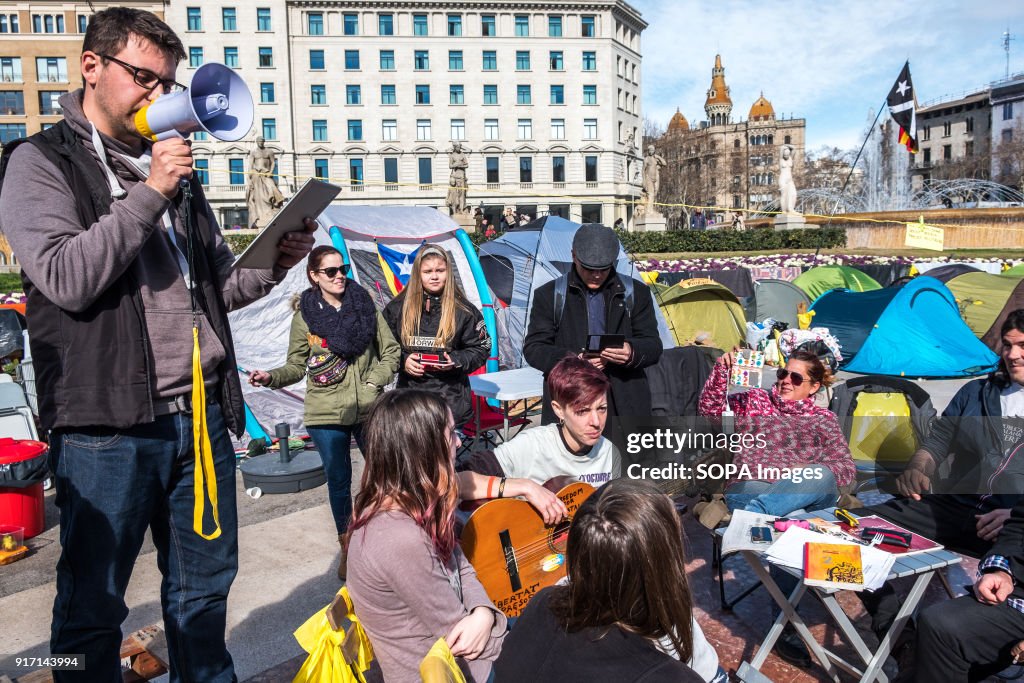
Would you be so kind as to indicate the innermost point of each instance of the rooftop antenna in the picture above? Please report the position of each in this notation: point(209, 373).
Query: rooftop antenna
point(1006, 47)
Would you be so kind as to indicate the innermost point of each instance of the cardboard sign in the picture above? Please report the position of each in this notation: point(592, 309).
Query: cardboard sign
point(924, 236)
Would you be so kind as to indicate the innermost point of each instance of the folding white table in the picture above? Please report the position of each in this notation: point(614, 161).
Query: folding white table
point(506, 387)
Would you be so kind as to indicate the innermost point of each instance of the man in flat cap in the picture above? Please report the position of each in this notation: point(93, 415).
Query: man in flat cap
point(570, 314)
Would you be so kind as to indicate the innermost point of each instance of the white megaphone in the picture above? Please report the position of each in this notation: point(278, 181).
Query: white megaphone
point(217, 102)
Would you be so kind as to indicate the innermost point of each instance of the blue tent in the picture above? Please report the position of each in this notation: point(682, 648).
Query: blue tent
point(914, 331)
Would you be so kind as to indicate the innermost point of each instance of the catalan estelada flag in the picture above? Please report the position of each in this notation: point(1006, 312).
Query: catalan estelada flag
point(397, 267)
point(902, 103)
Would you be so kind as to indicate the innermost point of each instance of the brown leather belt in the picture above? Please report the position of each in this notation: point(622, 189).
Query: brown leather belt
point(182, 403)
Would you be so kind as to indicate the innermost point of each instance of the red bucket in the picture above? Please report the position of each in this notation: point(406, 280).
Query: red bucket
point(22, 506)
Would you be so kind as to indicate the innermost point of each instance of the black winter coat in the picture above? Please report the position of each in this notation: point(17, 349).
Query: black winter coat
point(468, 349)
point(548, 341)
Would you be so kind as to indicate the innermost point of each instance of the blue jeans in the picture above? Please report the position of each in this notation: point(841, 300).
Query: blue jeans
point(335, 445)
point(783, 496)
point(113, 484)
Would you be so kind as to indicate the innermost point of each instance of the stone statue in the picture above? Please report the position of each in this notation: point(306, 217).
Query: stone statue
point(629, 143)
point(262, 196)
point(652, 176)
point(458, 163)
point(787, 189)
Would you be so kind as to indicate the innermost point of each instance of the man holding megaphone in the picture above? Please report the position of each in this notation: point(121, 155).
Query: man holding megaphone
point(129, 282)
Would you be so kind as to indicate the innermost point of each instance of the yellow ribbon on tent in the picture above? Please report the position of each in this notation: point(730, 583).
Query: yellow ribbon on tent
point(203, 469)
point(913, 272)
point(335, 655)
point(803, 320)
point(439, 665)
point(649, 276)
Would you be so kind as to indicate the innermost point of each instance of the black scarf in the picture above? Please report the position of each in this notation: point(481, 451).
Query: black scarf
point(348, 331)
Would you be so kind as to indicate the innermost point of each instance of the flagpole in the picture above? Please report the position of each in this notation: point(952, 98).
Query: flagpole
point(853, 167)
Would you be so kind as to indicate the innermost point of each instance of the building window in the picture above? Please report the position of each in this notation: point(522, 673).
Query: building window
point(385, 24)
point(455, 60)
point(195, 18)
point(927, 134)
point(589, 129)
point(423, 129)
point(488, 25)
point(83, 23)
point(422, 94)
point(263, 19)
point(490, 94)
point(524, 129)
point(590, 213)
point(947, 129)
point(555, 26)
point(590, 61)
point(10, 69)
point(558, 94)
point(947, 152)
point(456, 94)
point(493, 174)
point(421, 60)
point(557, 129)
point(458, 129)
point(522, 60)
point(590, 94)
point(319, 130)
point(387, 60)
point(1007, 111)
point(558, 169)
point(490, 60)
point(12, 29)
point(195, 57)
point(231, 57)
point(454, 25)
point(321, 169)
point(200, 136)
point(229, 21)
point(419, 24)
point(203, 171)
point(266, 93)
point(970, 124)
point(969, 148)
point(526, 169)
point(350, 25)
point(387, 94)
point(389, 130)
point(48, 105)
point(11, 131)
point(355, 130)
point(236, 171)
point(269, 129)
point(315, 23)
point(351, 59)
point(266, 57)
point(522, 25)
point(587, 28)
point(353, 94)
point(316, 60)
point(426, 174)
point(523, 95)
point(52, 69)
point(355, 171)
point(391, 170)
point(1007, 135)
point(786, 140)
point(318, 94)
point(491, 129)
point(590, 169)
point(555, 61)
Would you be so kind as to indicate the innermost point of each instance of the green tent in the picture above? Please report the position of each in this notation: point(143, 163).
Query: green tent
point(985, 300)
point(821, 279)
point(1017, 270)
point(693, 308)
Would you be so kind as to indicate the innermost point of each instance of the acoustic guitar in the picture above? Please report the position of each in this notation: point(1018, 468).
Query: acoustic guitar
point(514, 552)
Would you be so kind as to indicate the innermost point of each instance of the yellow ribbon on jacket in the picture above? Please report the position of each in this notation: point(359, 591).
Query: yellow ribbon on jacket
point(203, 469)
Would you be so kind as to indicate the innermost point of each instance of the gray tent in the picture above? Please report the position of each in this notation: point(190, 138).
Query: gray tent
point(778, 299)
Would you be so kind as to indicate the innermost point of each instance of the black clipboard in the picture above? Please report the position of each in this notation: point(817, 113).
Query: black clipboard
point(311, 199)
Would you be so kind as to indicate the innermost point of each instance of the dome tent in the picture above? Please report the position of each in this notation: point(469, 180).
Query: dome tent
point(694, 307)
point(985, 300)
point(821, 279)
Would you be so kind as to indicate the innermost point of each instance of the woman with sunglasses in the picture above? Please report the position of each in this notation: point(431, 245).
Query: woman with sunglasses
point(442, 334)
point(345, 350)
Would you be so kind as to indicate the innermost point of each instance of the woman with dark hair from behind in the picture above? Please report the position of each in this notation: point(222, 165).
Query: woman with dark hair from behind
point(625, 613)
point(409, 581)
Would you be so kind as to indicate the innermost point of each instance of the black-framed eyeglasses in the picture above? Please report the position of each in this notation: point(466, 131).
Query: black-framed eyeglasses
point(795, 377)
point(333, 271)
point(144, 78)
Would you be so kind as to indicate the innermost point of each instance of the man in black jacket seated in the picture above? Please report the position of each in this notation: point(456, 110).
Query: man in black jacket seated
point(592, 299)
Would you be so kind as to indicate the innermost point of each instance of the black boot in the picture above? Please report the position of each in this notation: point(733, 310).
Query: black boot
point(792, 649)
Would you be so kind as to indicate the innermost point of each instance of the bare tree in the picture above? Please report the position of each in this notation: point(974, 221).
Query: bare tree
point(652, 130)
point(1009, 157)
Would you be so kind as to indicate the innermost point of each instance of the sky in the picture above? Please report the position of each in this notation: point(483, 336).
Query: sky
point(830, 62)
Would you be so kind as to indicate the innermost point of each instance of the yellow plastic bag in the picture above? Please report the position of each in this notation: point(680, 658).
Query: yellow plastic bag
point(336, 655)
point(439, 665)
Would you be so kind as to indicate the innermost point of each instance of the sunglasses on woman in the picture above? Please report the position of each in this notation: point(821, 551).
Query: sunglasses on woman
point(333, 271)
point(795, 377)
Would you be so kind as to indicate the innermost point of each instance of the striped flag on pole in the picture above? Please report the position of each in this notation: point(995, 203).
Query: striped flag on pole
point(902, 103)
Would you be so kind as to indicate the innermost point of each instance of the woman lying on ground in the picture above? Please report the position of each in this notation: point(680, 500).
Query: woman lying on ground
point(409, 581)
point(625, 613)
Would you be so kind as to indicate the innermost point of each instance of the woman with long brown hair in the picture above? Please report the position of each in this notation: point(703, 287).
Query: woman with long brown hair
point(432, 317)
point(625, 613)
point(409, 580)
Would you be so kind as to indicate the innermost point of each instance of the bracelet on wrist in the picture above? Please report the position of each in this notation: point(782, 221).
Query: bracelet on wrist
point(501, 488)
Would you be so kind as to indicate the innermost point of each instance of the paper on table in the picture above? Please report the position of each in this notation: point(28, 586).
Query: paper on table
point(788, 550)
point(737, 534)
